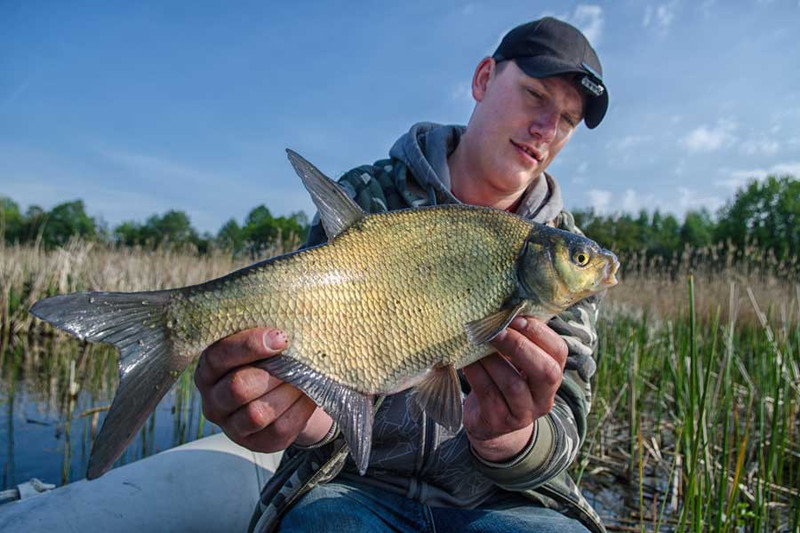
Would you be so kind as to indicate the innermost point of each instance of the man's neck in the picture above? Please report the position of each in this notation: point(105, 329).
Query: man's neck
point(470, 187)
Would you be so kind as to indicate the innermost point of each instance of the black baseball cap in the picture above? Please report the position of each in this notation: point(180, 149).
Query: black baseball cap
point(548, 47)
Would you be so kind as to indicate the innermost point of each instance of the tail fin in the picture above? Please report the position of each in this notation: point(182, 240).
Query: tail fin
point(136, 324)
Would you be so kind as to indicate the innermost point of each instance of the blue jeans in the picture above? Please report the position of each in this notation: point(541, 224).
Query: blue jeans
point(348, 507)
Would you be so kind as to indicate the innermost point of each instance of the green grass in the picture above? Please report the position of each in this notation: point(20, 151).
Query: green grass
point(704, 429)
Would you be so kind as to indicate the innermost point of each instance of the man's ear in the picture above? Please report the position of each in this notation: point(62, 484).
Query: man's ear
point(483, 75)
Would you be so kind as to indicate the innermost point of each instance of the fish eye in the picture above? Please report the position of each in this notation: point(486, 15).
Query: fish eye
point(580, 258)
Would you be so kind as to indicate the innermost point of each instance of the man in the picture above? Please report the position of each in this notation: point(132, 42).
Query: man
point(525, 408)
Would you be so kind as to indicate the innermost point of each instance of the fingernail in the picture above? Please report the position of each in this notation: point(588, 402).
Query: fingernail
point(275, 340)
point(519, 323)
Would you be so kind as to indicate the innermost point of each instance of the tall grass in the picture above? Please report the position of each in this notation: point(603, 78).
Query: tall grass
point(703, 433)
point(28, 273)
point(696, 397)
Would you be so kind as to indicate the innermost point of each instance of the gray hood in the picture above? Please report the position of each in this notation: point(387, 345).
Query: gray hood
point(425, 149)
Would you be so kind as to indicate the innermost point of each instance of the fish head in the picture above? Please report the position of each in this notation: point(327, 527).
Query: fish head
point(558, 268)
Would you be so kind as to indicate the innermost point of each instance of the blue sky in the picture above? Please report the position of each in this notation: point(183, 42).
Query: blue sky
point(142, 107)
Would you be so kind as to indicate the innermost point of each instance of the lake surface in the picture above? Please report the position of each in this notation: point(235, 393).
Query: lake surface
point(54, 394)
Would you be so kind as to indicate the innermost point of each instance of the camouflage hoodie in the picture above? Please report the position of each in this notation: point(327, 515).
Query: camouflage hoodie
point(416, 457)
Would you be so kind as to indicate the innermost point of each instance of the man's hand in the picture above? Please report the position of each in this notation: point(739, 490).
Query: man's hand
point(254, 408)
point(512, 388)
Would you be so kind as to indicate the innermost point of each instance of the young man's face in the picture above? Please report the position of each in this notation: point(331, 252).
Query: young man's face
point(520, 123)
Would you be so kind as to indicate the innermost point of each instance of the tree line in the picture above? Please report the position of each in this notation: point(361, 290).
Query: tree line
point(764, 214)
point(260, 231)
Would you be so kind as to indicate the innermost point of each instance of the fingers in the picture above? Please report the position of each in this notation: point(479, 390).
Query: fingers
point(502, 391)
point(541, 370)
point(282, 431)
point(226, 377)
point(263, 411)
point(237, 350)
point(544, 337)
point(504, 402)
point(237, 388)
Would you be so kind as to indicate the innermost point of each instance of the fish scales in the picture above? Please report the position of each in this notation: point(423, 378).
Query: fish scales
point(381, 303)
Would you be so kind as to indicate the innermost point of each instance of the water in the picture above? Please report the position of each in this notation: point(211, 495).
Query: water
point(54, 394)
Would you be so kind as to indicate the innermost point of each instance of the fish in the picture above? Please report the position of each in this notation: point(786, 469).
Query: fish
point(392, 301)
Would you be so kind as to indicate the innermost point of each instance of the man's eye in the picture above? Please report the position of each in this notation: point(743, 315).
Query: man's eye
point(535, 94)
point(569, 120)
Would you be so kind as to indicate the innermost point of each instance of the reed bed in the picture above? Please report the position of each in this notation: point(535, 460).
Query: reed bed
point(697, 396)
point(696, 400)
point(28, 273)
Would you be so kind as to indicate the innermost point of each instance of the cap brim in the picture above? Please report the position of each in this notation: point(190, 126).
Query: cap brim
point(544, 67)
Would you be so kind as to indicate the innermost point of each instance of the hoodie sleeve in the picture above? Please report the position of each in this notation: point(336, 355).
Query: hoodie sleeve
point(557, 437)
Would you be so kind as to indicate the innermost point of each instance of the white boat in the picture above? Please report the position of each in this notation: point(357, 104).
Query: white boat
point(210, 484)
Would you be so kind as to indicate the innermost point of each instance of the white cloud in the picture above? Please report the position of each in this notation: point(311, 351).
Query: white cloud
point(689, 200)
point(633, 202)
point(705, 7)
point(706, 139)
point(628, 142)
point(583, 167)
point(599, 200)
point(588, 19)
point(605, 203)
point(462, 92)
point(762, 146)
point(741, 177)
point(680, 166)
point(661, 16)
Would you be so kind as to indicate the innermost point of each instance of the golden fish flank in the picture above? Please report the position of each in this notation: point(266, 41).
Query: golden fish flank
point(393, 299)
point(399, 303)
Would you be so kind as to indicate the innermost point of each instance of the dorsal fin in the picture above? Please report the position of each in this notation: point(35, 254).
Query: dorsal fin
point(336, 210)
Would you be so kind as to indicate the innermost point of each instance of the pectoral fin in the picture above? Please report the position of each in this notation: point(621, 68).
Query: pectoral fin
point(336, 210)
point(439, 395)
point(484, 330)
point(350, 409)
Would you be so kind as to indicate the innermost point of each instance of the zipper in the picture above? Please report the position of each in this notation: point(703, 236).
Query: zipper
point(428, 427)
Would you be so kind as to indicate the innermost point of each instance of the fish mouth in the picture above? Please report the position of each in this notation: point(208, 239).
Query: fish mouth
point(610, 279)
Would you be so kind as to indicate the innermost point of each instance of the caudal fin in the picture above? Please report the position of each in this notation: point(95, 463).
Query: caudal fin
point(136, 324)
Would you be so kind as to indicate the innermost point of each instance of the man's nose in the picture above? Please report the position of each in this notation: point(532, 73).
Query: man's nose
point(545, 126)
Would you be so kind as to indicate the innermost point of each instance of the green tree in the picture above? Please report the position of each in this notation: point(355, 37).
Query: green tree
point(231, 237)
point(128, 233)
point(260, 229)
point(766, 212)
point(666, 240)
point(65, 221)
point(697, 230)
point(11, 222)
point(33, 223)
point(173, 227)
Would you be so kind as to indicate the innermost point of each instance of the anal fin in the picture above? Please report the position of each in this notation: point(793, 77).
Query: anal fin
point(352, 410)
point(439, 395)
